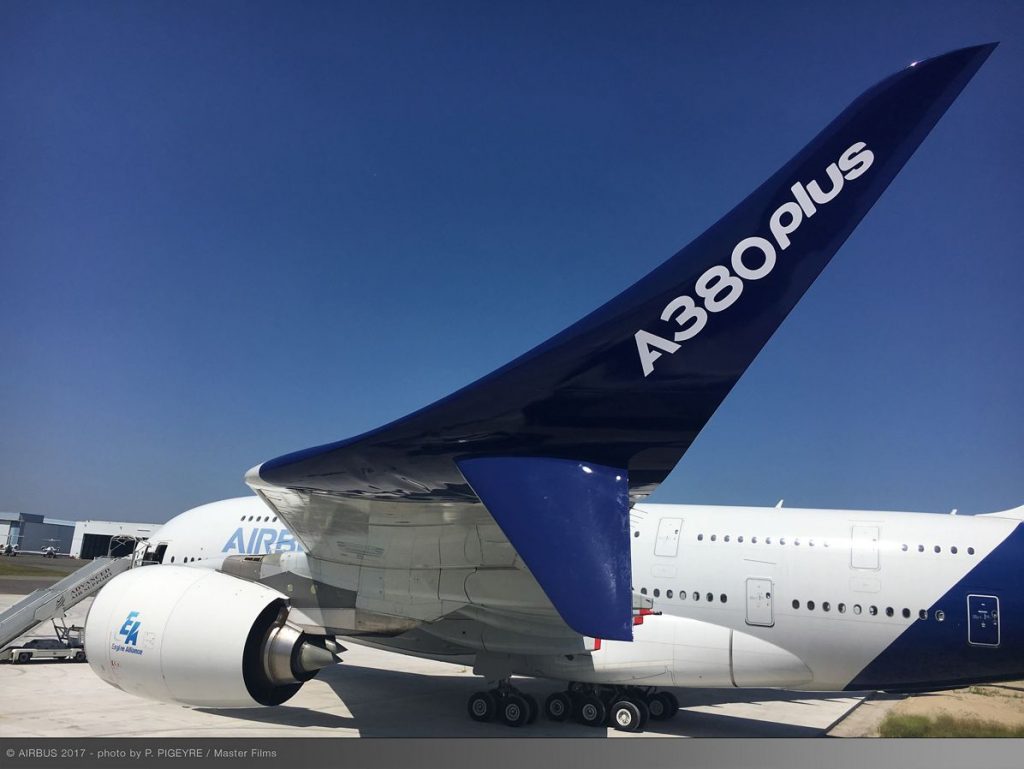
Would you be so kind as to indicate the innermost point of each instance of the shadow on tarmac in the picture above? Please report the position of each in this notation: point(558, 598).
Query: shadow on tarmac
point(387, 703)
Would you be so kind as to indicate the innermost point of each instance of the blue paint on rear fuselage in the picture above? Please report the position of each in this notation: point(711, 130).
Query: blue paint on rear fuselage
point(931, 655)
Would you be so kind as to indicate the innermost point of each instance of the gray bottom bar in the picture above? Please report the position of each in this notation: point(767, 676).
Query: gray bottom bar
point(511, 754)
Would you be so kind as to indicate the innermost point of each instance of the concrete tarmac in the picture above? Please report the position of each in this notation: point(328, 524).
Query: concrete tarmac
point(371, 694)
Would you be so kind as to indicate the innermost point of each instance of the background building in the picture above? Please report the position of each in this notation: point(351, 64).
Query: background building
point(34, 532)
point(98, 538)
point(82, 539)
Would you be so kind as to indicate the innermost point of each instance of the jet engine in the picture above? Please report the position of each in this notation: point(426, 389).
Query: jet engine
point(196, 636)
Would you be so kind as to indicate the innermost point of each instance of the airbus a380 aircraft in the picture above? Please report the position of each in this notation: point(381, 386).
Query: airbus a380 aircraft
point(506, 523)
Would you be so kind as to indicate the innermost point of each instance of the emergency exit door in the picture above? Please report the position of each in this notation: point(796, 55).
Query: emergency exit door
point(667, 542)
point(983, 620)
point(759, 602)
point(864, 547)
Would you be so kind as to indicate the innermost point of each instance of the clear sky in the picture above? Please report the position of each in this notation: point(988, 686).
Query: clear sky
point(232, 230)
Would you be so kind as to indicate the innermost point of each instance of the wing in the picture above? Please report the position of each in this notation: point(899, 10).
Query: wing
point(553, 446)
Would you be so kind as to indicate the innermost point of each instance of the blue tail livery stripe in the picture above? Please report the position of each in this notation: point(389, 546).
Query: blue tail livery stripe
point(962, 648)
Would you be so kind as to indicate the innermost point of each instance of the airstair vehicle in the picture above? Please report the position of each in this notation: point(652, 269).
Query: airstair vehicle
point(52, 602)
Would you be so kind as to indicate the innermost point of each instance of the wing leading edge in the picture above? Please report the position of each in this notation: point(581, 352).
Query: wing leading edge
point(632, 384)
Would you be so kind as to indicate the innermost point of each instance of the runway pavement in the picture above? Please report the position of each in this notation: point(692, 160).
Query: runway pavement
point(375, 694)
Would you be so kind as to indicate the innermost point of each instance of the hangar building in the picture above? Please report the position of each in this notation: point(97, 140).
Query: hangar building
point(93, 539)
point(31, 533)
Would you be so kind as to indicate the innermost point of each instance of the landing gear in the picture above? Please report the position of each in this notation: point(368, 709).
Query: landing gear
point(514, 710)
point(663, 706)
point(627, 716)
point(591, 711)
point(482, 706)
point(626, 708)
point(505, 703)
point(558, 706)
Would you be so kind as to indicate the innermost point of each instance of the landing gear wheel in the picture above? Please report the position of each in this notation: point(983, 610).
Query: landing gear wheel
point(591, 711)
point(534, 708)
point(482, 706)
point(514, 710)
point(625, 716)
point(645, 712)
point(663, 706)
point(558, 706)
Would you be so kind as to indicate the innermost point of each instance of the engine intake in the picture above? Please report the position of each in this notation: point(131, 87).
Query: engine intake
point(199, 637)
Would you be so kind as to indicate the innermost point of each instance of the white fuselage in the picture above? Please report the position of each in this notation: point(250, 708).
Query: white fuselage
point(827, 591)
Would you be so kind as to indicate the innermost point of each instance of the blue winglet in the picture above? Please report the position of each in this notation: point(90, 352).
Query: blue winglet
point(569, 521)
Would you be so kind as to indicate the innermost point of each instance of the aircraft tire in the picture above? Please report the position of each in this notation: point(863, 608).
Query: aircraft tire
point(534, 708)
point(645, 712)
point(514, 710)
point(625, 716)
point(558, 706)
point(591, 711)
point(663, 706)
point(482, 706)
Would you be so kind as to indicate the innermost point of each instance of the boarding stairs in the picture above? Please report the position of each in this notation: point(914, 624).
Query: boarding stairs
point(54, 601)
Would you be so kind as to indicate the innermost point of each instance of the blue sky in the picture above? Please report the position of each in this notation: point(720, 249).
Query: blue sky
point(233, 230)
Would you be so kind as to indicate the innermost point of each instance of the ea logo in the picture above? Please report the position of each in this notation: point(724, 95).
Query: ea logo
point(130, 629)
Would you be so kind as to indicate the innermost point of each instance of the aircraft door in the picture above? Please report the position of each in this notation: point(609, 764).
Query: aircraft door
point(667, 542)
point(864, 550)
point(983, 620)
point(759, 602)
point(147, 553)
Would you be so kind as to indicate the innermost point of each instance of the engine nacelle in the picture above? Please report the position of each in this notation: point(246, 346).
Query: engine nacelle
point(199, 637)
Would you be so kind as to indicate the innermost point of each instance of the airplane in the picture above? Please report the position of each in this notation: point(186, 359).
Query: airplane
point(506, 523)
